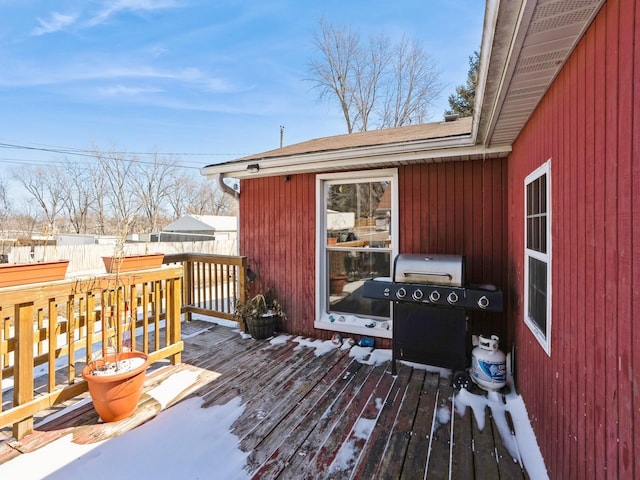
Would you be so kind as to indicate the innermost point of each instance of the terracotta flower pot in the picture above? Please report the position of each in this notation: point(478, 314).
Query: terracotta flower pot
point(12, 274)
point(131, 263)
point(336, 284)
point(115, 397)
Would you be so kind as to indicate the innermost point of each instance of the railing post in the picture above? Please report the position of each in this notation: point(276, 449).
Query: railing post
point(188, 285)
point(23, 369)
point(173, 317)
point(242, 285)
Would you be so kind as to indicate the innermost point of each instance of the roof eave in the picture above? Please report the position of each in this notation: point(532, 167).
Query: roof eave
point(355, 158)
point(517, 38)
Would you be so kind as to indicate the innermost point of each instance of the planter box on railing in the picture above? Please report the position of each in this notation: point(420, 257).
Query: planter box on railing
point(130, 263)
point(13, 274)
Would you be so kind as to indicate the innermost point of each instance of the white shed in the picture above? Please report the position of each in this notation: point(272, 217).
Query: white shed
point(201, 227)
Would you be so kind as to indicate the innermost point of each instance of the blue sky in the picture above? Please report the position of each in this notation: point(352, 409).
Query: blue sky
point(193, 76)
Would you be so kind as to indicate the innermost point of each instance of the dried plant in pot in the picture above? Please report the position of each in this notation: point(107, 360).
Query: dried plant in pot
point(262, 314)
point(116, 375)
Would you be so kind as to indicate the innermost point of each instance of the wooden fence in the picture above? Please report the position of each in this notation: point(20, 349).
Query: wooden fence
point(49, 331)
point(88, 258)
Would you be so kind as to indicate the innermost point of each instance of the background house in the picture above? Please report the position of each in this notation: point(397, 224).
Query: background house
point(540, 192)
point(200, 228)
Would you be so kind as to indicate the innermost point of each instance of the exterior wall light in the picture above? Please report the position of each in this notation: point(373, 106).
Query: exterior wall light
point(253, 167)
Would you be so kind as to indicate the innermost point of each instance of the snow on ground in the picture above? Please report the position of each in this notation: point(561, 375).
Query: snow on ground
point(521, 444)
point(186, 441)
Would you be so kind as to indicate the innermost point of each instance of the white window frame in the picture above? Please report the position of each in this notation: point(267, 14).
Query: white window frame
point(544, 340)
point(322, 320)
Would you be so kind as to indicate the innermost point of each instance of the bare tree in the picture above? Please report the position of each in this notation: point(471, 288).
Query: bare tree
point(27, 219)
point(78, 194)
point(370, 68)
point(206, 199)
point(333, 73)
point(5, 208)
point(413, 85)
point(380, 84)
point(45, 185)
point(111, 195)
point(178, 198)
point(154, 182)
point(98, 185)
point(118, 173)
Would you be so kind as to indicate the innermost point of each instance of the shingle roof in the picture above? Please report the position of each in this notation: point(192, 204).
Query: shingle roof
point(426, 131)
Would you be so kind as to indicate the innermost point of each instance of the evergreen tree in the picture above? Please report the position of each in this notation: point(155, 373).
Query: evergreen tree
point(462, 101)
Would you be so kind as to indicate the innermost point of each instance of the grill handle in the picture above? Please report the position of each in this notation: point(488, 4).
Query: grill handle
point(428, 274)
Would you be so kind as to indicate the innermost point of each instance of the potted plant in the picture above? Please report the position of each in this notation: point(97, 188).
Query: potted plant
point(116, 376)
point(337, 282)
point(262, 313)
point(116, 373)
point(337, 272)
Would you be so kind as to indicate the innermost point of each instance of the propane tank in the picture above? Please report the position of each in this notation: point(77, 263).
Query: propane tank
point(488, 364)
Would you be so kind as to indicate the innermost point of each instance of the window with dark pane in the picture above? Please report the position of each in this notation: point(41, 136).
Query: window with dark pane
point(538, 294)
point(537, 255)
point(536, 220)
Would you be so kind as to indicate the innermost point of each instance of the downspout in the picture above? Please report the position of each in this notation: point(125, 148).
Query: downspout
point(226, 188)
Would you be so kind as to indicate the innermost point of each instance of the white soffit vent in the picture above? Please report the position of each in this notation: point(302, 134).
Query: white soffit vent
point(554, 29)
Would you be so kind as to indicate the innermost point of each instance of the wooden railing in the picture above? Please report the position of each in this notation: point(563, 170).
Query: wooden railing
point(212, 284)
point(49, 331)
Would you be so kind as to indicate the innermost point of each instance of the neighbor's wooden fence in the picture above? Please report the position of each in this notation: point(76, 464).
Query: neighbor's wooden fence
point(87, 258)
point(212, 284)
point(48, 332)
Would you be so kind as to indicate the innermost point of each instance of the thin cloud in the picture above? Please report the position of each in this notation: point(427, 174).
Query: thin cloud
point(113, 8)
point(122, 90)
point(57, 22)
point(29, 77)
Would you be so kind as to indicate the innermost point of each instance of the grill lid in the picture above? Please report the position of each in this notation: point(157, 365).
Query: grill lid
point(430, 269)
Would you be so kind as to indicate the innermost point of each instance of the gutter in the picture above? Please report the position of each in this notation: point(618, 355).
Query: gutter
point(352, 158)
point(489, 30)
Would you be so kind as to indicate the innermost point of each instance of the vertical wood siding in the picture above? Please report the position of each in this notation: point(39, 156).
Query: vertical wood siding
point(460, 208)
point(457, 207)
point(277, 234)
point(582, 399)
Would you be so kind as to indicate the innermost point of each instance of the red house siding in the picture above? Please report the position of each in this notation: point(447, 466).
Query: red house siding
point(582, 400)
point(278, 234)
point(457, 207)
point(460, 208)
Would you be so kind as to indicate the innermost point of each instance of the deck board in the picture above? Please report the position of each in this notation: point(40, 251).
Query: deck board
point(308, 416)
point(439, 458)
point(418, 448)
point(462, 458)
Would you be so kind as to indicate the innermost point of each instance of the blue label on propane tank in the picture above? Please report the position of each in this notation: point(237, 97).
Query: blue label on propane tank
point(491, 371)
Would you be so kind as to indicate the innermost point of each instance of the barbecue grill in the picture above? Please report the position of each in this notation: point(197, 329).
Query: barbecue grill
point(430, 300)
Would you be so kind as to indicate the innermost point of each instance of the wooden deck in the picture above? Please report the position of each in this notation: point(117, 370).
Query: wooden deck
point(311, 416)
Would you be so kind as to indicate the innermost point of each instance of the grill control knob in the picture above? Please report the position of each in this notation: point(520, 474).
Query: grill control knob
point(401, 293)
point(434, 296)
point(483, 302)
point(417, 294)
point(452, 298)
